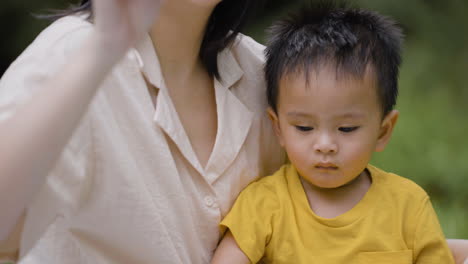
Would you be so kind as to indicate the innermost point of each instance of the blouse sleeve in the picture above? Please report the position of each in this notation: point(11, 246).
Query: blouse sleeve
point(39, 62)
point(250, 219)
point(20, 84)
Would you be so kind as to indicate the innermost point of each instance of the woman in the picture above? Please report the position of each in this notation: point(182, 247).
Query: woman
point(154, 163)
point(129, 147)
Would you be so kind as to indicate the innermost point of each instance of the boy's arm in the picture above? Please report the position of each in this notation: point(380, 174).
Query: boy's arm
point(249, 224)
point(429, 243)
point(229, 252)
point(459, 250)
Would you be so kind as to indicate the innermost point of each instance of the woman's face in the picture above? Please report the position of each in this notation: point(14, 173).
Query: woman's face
point(204, 3)
point(191, 6)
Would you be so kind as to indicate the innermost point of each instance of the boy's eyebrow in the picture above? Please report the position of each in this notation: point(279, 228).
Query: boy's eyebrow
point(298, 114)
point(352, 115)
point(343, 116)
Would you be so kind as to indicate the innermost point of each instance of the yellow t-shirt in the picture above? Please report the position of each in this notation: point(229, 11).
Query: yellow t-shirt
point(393, 223)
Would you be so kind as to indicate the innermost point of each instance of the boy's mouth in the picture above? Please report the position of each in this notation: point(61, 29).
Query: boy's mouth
point(326, 166)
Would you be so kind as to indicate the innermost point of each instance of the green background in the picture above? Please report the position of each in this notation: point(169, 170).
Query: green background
point(430, 143)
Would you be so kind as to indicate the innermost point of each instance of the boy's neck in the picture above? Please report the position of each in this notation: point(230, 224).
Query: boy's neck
point(333, 202)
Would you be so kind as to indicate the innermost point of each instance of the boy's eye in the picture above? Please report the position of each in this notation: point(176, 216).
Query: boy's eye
point(304, 128)
point(348, 129)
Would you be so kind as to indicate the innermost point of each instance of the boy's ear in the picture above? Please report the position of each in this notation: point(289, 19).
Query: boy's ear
point(275, 123)
point(386, 130)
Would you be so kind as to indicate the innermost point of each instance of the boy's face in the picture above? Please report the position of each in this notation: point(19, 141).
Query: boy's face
point(331, 125)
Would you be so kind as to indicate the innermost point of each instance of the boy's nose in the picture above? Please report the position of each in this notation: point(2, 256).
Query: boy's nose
point(325, 144)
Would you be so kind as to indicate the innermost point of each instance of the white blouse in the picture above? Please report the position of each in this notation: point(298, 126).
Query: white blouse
point(128, 188)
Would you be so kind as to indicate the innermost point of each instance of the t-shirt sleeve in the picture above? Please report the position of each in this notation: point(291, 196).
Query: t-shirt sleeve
point(250, 219)
point(430, 245)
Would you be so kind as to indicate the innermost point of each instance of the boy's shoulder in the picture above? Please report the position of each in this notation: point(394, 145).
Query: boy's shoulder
point(272, 184)
point(275, 179)
point(397, 188)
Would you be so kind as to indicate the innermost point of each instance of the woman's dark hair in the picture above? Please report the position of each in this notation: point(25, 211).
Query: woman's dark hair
point(226, 21)
point(332, 32)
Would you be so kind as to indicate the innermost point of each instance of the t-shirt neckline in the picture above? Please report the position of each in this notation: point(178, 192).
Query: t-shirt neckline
point(351, 216)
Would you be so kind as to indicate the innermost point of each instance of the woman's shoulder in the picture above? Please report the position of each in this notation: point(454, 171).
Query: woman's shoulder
point(59, 38)
point(65, 25)
point(241, 69)
point(63, 29)
point(250, 46)
point(248, 52)
point(40, 61)
point(45, 54)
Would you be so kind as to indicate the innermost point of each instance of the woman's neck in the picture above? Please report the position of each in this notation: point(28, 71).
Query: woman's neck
point(177, 36)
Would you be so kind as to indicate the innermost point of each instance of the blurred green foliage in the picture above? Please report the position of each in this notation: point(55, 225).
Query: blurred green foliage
point(429, 145)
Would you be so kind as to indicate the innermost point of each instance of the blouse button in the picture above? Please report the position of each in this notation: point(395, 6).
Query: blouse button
point(209, 201)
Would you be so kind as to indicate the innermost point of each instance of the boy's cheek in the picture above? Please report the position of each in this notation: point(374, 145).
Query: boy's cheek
point(298, 151)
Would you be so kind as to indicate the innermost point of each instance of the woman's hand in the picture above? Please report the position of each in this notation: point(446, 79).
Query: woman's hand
point(121, 23)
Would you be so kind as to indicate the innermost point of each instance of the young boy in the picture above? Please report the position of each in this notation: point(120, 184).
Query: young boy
point(332, 85)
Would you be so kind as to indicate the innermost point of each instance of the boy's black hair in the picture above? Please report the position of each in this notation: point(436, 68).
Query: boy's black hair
point(331, 32)
point(225, 23)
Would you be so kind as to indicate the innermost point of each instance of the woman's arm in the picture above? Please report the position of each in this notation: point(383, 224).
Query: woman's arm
point(229, 252)
point(32, 139)
point(459, 250)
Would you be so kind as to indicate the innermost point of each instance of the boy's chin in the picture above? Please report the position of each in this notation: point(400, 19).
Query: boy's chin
point(329, 181)
point(324, 184)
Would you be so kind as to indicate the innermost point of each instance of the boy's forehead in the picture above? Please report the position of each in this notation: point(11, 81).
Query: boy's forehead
point(336, 92)
point(329, 78)
point(330, 71)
